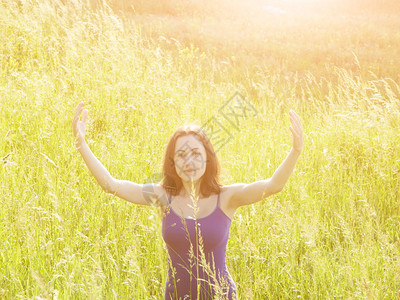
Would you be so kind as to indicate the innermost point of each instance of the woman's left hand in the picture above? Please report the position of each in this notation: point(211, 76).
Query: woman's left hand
point(297, 131)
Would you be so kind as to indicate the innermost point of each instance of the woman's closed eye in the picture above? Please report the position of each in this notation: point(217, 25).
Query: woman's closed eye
point(181, 155)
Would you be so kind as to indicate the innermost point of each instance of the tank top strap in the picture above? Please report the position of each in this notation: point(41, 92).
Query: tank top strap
point(169, 199)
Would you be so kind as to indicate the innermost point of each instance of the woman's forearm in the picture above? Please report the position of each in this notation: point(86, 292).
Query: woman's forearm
point(99, 172)
point(282, 174)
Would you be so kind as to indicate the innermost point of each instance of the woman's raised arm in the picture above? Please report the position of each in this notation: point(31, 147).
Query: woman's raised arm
point(145, 194)
point(245, 194)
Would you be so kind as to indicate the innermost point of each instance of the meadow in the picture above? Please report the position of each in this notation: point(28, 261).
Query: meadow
point(147, 68)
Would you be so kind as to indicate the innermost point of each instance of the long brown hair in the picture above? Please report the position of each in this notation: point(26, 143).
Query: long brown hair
point(209, 184)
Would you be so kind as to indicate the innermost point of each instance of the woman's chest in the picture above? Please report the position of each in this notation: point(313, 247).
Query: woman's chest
point(180, 233)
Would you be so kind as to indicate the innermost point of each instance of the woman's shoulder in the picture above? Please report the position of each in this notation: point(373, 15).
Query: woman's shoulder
point(231, 188)
point(161, 194)
point(228, 190)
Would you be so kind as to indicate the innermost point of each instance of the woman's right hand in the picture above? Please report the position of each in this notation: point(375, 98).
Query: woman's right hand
point(79, 127)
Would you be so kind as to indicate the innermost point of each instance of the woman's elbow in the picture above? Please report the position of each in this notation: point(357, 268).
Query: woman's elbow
point(278, 189)
point(108, 186)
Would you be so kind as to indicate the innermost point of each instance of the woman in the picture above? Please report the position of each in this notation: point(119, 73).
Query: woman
point(197, 209)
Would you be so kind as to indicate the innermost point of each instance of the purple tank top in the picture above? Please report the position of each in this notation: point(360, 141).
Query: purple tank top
point(195, 271)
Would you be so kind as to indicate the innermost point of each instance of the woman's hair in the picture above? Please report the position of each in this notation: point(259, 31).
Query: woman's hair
point(172, 183)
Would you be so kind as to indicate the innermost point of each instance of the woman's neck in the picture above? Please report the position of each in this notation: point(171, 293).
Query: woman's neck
point(191, 189)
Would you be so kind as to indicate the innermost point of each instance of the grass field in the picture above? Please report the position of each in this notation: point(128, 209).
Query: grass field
point(144, 70)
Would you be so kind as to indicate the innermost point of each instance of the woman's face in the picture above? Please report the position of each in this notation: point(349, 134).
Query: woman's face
point(190, 158)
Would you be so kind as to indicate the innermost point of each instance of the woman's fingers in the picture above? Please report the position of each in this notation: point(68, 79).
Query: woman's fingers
point(77, 114)
point(76, 120)
point(295, 119)
point(85, 115)
point(79, 109)
point(294, 132)
point(294, 122)
point(297, 130)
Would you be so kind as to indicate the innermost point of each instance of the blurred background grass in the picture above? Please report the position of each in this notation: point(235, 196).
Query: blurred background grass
point(144, 68)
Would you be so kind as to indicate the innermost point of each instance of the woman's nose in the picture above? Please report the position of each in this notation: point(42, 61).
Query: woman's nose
point(189, 161)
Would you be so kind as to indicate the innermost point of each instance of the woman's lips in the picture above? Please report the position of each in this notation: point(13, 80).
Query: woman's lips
point(190, 170)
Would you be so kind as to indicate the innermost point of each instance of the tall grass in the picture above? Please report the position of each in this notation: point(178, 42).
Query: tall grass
point(331, 233)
